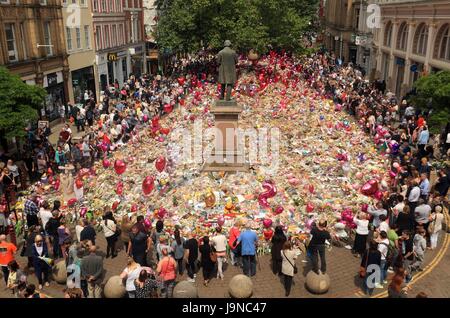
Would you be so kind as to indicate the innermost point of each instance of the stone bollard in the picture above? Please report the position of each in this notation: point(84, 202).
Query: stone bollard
point(240, 286)
point(185, 289)
point(317, 284)
point(60, 272)
point(114, 288)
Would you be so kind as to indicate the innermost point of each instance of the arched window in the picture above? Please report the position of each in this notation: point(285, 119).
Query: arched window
point(421, 39)
point(443, 42)
point(402, 41)
point(388, 34)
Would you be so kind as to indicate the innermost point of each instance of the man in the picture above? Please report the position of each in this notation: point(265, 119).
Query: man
point(413, 197)
point(424, 186)
point(407, 250)
point(191, 256)
point(420, 245)
point(31, 211)
point(87, 233)
point(383, 247)
point(139, 245)
point(7, 251)
point(443, 183)
point(248, 240)
point(376, 212)
point(86, 153)
point(422, 214)
point(227, 59)
point(52, 230)
point(140, 224)
point(316, 246)
point(92, 271)
point(233, 236)
point(76, 155)
point(422, 141)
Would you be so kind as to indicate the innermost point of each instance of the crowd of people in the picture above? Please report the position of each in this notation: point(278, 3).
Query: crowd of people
point(394, 234)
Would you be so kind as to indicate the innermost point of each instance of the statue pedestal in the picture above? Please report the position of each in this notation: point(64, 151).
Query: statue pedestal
point(226, 156)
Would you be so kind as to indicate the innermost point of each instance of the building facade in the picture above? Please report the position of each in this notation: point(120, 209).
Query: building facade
point(414, 40)
point(118, 37)
point(150, 21)
point(33, 47)
point(80, 47)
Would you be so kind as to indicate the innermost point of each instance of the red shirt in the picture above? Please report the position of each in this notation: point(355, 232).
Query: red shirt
point(234, 234)
point(420, 122)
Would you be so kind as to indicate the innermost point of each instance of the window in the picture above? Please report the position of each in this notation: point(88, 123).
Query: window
point(421, 39)
point(121, 35)
point(98, 38)
point(11, 42)
point(87, 37)
point(114, 35)
point(103, 5)
point(74, 1)
point(388, 35)
point(95, 5)
point(444, 44)
point(24, 45)
point(118, 6)
point(78, 37)
point(64, 2)
point(69, 39)
point(43, 2)
point(107, 36)
point(48, 39)
point(402, 37)
point(83, 3)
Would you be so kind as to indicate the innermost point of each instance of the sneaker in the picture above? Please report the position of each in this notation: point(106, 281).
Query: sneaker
point(390, 270)
point(47, 284)
point(348, 247)
point(385, 282)
point(195, 275)
point(379, 286)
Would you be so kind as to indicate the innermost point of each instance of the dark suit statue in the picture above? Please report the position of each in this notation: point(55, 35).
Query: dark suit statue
point(227, 59)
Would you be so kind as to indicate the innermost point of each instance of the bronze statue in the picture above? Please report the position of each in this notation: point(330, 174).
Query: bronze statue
point(227, 59)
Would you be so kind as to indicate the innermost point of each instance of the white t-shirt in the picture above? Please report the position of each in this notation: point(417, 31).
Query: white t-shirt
point(362, 226)
point(399, 207)
point(45, 215)
point(383, 248)
point(384, 226)
point(109, 228)
point(78, 229)
point(219, 242)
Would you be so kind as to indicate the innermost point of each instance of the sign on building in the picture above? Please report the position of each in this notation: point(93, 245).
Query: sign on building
point(112, 57)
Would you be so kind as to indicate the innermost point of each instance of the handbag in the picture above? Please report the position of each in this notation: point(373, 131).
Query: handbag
point(293, 265)
point(362, 269)
point(213, 256)
point(432, 226)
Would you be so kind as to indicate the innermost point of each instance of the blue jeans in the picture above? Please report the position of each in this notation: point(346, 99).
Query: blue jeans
point(249, 264)
point(383, 269)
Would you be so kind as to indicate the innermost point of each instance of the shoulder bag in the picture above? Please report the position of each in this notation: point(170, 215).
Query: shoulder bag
point(362, 269)
point(293, 265)
point(213, 255)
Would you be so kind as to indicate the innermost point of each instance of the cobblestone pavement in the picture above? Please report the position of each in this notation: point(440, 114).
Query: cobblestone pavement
point(342, 268)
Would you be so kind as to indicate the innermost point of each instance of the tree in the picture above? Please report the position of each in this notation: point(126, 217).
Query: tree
point(19, 103)
point(249, 24)
point(433, 91)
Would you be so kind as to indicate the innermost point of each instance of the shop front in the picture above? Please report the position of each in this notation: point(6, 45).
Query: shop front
point(54, 85)
point(82, 80)
point(137, 55)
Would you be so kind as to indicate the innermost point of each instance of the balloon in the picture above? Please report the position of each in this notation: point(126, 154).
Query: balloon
point(83, 211)
point(359, 175)
point(164, 131)
point(79, 183)
point(210, 200)
point(49, 171)
point(370, 188)
point(309, 207)
point(267, 223)
point(309, 223)
point(168, 108)
point(181, 80)
point(71, 202)
point(221, 220)
point(270, 192)
point(294, 181)
point(268, 234)
point(279, 210)
point(283, 92)
point(134, 208)
point(182, 102)
point(119, 188)
point(160, 163)
point(155, 121)
point(57, 184)
point(396, 165)
point(120, 166)
point(147, 223)
point(378, 195)
point(364, 207)
point(148, 185)
point(145, 118)
point(160, 139)
point(311, 188)
point(115, 205)
point(162, 212)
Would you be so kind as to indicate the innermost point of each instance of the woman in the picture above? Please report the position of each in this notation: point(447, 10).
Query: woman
point(63, 234)
point(41, 267)
point(15, 278)
point(205, 259)
point(131, 273)
point(8, 184)
point(372, 256)
point(288, 265)
point(159, 230)
point(278, 241)
point(167, 270)
point(109, 229)
point(14, 170)
point(435, 227)
point(30, 237)
point(126, 226)
point(78, 228)
point(362, 232)
point(396, 288)
point(219, 242)
point(178, 250)
point(60, 157)
point(145, 285)
point(404, 221)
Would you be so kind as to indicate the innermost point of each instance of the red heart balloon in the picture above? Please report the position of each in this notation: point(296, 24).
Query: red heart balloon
point(182, 102)
point(148, 185)
point(267, 223)
point(160, 163)
point(370, 188)
point(120, 166)
point(119, 188)
point(378, 195)
point(311, 188)
point(106, 163)
point(155, 121)
point(57, 184)
point(134, 208)
point(168, 108)
point(181, 81)
point(279, 210)
point(71, 202)
point(268, 234)
point(79, 183)
point(309, 207)
point(164, 131)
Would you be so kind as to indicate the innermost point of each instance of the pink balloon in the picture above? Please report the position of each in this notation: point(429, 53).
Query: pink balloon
point(279, 210)
point(378, 195)
point(162, 212)
point(267, 223)
point(221, 220)
point(309, 207)
point(145, 118)
point(364, 207)
point(106, 163)
point(392, 174)
point(270, 192)
point(83, 211)
point(147, 223)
